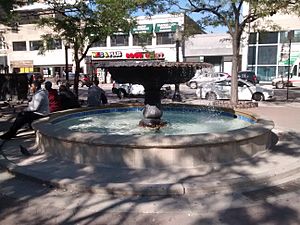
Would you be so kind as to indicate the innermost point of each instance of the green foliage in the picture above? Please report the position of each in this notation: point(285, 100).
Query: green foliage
point(6, 6)
point(81, 24)
point(233, 16)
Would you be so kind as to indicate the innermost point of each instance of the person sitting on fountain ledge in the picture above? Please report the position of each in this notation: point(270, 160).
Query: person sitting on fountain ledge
point(96, 95)
point(37, 108)
point(68, 99)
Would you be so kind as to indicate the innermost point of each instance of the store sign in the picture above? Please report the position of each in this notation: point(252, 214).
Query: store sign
point(166, 27)
point(107, 55)
point(142, 29)
point(145, 55)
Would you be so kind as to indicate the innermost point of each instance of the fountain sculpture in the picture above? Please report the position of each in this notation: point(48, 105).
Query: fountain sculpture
point(152, 75)
point(151, 151)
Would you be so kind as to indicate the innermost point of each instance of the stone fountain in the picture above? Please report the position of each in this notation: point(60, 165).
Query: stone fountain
point(152, 75)
point(151, 151)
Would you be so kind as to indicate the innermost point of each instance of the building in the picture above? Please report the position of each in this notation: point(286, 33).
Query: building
point(210, 48)
point(23, 41)
point(152, 39)
point(267, 52)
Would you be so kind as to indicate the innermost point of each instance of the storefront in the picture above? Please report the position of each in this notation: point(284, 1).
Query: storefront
point(100, 57)
point(268, 53)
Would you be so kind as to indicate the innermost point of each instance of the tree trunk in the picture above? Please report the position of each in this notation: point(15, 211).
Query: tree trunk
point(77, 72)
point(235, 68)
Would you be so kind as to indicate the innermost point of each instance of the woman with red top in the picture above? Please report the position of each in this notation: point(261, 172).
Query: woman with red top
point(54, 101)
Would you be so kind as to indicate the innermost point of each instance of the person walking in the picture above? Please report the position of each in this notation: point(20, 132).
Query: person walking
point(96, 95)
point(37, 108)
point(54, 101)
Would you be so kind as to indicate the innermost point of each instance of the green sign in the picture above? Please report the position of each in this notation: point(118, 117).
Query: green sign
point(142, 28)
point(166, 27)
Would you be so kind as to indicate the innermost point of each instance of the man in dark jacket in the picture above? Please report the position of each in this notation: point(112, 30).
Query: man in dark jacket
point(67, 98)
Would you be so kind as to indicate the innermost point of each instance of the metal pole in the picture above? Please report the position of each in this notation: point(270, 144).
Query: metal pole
point(290, 37)
point(177, 96)
point(67, 64)
point(289, 67)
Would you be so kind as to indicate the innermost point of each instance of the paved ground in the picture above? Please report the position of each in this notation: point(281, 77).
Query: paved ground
point(264, 190)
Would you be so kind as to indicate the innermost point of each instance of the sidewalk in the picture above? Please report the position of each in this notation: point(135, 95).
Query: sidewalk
point(269, 176)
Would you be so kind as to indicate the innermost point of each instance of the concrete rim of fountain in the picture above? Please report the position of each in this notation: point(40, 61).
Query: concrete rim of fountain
point(138, 151)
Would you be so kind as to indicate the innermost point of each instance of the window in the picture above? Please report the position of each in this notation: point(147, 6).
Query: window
point(142, 39)
point(28, 18)
point(101, 43)
point(35, 45)
point(283, 70)
point(19, 46)
point(251, 55)
point(165, 38)
point(284, 36)
point(2, 42)
point(119, 40)
point(54, 44)
point(266, 73)
point(267, 54)
point(241, 84)
point(268, 38)
point(252, 38)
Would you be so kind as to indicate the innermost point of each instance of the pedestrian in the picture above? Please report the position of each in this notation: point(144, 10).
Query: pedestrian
point(96, 95)
point(37, 108)
point(68, 99)
point(54, 100)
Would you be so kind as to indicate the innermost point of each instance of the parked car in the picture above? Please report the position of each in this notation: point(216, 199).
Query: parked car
point(200, 79)
point(281, 82)
point(84, 79)
point(246, 91)
point(127, 90)
point(249, 76)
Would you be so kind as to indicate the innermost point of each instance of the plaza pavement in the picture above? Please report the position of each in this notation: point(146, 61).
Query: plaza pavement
point(214, 194)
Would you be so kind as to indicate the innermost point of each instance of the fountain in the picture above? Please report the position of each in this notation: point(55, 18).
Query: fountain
point(153, 148)
point(152, 75)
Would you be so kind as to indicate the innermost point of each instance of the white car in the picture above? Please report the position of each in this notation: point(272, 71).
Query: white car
point(200, 79)
point(126, 90)
point(246, 91)
point(281, 82)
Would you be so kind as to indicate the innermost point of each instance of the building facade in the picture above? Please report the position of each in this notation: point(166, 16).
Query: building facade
point(152, 39)
point(267, 51)
point(210, 48)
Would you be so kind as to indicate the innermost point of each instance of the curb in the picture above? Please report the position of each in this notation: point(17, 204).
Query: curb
point(239, 184)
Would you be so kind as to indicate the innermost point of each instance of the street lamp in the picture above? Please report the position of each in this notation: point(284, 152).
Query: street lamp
point(290, 37)
point(66, 57)
point(178, 38)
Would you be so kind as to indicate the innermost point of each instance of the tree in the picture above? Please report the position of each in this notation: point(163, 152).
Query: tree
point(233, 16)
point(82, 23)
point(6, 9)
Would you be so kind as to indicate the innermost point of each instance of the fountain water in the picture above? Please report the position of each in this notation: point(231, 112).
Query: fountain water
point(140, 150)
point(152, 75)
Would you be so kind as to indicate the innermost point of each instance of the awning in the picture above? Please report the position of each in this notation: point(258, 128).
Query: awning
point(166, 27)
point(142, 28)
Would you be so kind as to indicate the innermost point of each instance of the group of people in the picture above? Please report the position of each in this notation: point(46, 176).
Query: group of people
point(48, 100)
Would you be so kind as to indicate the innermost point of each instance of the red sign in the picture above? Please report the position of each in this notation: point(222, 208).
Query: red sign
point(145, 55)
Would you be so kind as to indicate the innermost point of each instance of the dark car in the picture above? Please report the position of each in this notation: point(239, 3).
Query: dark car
point(84, 79)
point(249, 76)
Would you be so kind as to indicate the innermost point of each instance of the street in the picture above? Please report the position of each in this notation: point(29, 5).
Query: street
point(188, 93)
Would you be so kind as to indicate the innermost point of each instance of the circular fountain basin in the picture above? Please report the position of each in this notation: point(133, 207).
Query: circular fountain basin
point(62, 135)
